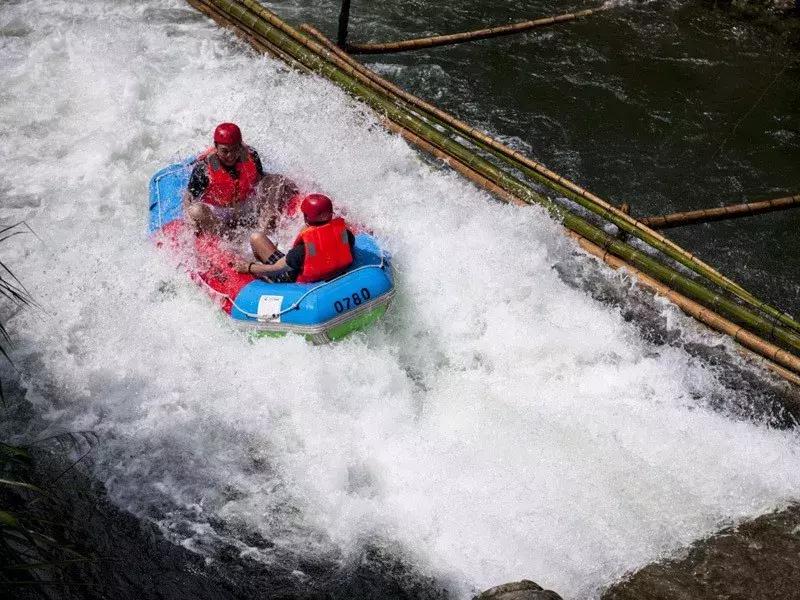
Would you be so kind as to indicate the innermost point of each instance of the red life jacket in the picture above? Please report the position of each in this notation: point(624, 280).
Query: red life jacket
point(224, 190)
point(327, 251)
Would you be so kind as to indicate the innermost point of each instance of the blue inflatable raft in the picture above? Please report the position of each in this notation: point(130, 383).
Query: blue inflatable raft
point(322, 311)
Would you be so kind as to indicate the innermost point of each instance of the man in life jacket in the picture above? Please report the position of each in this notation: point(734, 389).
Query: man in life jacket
point(228, 186)
point(322, 251)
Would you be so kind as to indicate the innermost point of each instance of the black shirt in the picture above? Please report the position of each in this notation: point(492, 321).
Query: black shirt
point(198, 180)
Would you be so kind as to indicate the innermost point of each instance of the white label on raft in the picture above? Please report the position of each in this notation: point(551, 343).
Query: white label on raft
point(268, 307)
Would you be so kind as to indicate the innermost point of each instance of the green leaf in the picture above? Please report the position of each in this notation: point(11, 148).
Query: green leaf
point(14, 453)
point(23, 485)
point(8, 520)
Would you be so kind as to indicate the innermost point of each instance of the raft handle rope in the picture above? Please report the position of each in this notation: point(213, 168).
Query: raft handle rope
point(296, 304)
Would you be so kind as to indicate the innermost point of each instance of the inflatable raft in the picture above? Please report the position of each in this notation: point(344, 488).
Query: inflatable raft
point(322, 311)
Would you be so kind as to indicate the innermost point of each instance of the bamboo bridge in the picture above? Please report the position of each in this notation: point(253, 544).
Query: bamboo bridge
point(762, 331)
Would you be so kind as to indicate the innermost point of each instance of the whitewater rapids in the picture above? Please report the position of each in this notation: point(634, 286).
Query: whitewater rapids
point(499, 424)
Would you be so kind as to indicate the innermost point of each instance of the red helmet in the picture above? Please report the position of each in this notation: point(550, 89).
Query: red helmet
point(317, 208)
point(228, 134)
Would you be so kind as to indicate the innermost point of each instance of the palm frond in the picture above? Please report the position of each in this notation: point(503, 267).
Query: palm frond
point(12, 290)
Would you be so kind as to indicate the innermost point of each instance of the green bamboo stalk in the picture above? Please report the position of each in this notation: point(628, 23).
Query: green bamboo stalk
point(568, 189)
point(316, 62)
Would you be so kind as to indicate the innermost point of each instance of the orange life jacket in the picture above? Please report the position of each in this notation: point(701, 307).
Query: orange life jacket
point(327, 250)
point(223, 189)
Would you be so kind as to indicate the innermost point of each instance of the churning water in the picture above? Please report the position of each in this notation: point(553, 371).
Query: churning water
point(498, 424)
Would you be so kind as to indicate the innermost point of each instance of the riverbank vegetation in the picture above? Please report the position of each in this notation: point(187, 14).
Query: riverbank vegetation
point(31, 542)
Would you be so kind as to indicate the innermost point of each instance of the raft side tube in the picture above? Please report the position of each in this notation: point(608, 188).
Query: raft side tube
point(321, 303)
point(166, 192)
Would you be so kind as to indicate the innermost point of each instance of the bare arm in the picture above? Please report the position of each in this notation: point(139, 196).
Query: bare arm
point(259, 268)
point(186, 201)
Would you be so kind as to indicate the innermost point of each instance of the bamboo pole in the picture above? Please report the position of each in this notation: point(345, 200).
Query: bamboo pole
point(241, 12)
point(574, 192)
point(733, 211)
point(468, 36)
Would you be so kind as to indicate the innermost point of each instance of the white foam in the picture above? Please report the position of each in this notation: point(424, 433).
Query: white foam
point(498, 424)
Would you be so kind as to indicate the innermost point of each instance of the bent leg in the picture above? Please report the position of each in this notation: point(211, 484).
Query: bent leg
point(203, 219)
point(272, 193)
point(263, 248)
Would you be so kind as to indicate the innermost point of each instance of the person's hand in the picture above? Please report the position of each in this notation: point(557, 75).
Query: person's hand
point(243, 266)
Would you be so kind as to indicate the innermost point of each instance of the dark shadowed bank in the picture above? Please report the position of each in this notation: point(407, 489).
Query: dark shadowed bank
point(757, 560)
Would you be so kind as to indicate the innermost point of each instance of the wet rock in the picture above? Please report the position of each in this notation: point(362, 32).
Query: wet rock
point(756, 560)
point(518, 590)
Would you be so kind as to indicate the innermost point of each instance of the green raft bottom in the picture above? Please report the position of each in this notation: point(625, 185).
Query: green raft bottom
point(340, 330)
